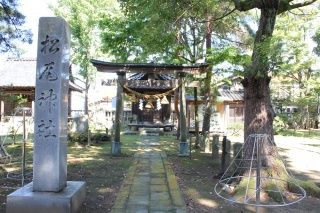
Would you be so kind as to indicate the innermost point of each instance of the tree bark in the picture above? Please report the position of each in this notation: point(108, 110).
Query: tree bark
point(259, 113)
point(86, 111)
point(207, 81)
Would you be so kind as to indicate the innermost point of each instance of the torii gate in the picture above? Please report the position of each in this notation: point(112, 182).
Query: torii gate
point(122, 68)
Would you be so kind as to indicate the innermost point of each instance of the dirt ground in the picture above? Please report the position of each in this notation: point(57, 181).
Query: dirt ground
point(104, 175)
point(197, 179)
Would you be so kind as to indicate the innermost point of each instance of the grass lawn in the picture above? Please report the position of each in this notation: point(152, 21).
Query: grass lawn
point(312, 133)
point(104, 175)
point(197, 178)
point(94, 165)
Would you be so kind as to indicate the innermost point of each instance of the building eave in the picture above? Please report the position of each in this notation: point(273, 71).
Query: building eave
point(109, 67)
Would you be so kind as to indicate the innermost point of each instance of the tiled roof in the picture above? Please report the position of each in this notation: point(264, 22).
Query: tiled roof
point(229, 95)
point(22, 73)
point(18, 72)
point(139, 76)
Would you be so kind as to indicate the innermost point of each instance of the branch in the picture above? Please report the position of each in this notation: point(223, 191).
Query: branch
point(285, 6)
point(180, 56)
point(246, 5)
point(221, 17)
point(292, 76)
point(8, 15)
point(296, 14)
point(230, 40)
point(225, 15)
point(182, 14)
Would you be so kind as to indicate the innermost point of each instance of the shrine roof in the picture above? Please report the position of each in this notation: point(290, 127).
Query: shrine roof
point(141, 76)
point(19, 74)
point(110, 67)
point(229, 95)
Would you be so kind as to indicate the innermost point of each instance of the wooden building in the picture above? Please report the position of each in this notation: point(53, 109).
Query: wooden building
point(18, 78)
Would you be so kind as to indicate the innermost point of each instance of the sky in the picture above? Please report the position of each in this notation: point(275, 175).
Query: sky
point(33, 10)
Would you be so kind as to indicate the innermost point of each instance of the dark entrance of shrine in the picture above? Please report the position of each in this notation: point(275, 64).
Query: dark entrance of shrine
point(154, 115)
point(151, 110)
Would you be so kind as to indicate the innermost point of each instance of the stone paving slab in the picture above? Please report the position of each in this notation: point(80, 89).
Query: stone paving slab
point(150, 185)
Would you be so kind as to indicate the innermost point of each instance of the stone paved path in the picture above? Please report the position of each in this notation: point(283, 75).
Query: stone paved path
point(150, 185)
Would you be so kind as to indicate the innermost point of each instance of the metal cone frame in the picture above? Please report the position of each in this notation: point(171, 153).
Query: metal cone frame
point(244, 181)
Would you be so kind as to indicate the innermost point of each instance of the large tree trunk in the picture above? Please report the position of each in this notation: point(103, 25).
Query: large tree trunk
point(207, 81)
point(208, 102)
point(259, 113)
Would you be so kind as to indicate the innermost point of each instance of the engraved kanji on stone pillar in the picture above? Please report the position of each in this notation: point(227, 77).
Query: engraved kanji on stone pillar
point(51, 105)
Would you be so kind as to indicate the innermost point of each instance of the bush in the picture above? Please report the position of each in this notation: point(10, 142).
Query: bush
point(280, 123)
point(82, 138)
point(236, 129)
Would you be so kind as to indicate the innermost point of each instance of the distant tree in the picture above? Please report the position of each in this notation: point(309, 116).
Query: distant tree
point(11, 31)
point(83, 17)
point(316, 38)
point(172, 32)
point(293, 64)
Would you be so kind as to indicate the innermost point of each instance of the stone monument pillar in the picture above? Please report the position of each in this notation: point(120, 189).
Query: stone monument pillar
point(183, 144)
point(116, 145)
point(50, 191)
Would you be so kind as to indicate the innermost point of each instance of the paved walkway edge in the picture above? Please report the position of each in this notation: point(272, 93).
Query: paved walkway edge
point(123, 194)
point(121, 201)
point(174, 189)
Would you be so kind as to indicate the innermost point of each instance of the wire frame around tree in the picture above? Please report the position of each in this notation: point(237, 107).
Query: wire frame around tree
point(247, 180)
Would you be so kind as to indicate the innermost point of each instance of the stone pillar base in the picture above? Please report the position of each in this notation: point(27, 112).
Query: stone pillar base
point(116, 148)
point(69, 200)
point(183, 149)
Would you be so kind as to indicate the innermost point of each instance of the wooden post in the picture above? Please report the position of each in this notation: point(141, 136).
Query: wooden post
point(176, 108)
point(196, 117)
point(116, 145)
point(69, 103)
point(183, 146)
point(1, 110)
point(236, 150)
point(225, 153)
point(207, 143)
point(226, 116)
point(23, 170)
point(215, 146)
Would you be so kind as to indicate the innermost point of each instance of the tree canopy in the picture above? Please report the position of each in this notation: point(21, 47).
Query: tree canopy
point(11, 27)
